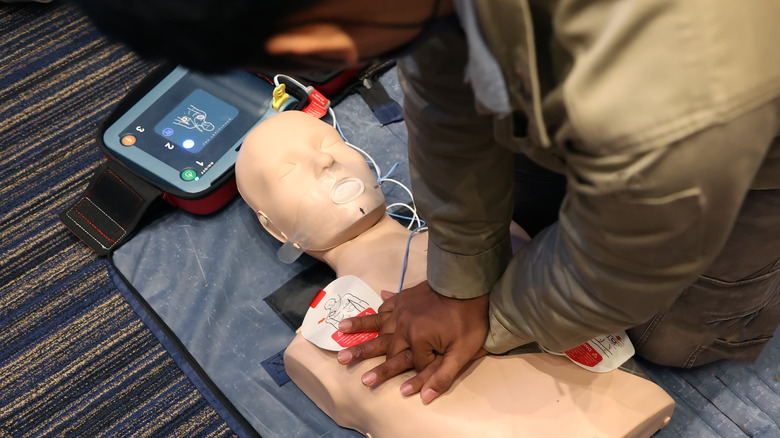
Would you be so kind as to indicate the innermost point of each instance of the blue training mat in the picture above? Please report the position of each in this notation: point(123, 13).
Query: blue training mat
point(206, 277)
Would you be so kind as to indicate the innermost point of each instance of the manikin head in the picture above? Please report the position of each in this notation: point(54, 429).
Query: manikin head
point(307, 187)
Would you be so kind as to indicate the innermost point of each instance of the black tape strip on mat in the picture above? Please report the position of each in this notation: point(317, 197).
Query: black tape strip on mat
point(291, 301)
point(210, 391)
point(385, 109)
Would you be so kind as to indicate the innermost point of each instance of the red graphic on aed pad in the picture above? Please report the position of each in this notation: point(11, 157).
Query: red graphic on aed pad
point(349, 339)
point(585, 355)
point(317, 298)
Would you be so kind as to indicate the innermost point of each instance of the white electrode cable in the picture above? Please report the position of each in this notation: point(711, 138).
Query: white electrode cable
point(335, 123)
point(381, 179)
point(415, 217)
point(308, 89)
point(371, 159)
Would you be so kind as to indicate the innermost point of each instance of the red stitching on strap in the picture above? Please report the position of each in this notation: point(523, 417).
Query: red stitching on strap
point(76, 209)
point(140, 198)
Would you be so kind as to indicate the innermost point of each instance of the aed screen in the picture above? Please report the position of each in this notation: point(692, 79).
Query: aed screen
point(196, 121)
point(199, 118)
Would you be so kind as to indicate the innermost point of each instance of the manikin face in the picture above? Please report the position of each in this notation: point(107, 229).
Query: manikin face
point(307, 186)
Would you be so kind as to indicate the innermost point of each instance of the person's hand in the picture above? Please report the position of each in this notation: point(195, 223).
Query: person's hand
point(420, 329)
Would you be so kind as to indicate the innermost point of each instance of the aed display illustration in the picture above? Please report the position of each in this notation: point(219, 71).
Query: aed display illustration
point(195, 121)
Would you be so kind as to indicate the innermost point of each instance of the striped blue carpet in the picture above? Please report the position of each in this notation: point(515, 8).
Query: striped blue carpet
point(74, 358)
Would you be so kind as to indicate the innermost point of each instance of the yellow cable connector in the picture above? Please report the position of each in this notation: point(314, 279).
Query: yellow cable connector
point(280, 97)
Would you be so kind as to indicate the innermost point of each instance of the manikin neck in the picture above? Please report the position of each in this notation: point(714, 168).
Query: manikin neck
point(376, 255)
point(386, 235)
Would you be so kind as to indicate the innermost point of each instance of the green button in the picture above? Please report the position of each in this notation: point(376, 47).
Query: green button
point(189, 175)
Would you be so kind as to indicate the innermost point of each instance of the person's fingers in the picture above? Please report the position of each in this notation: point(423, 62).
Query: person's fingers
point(365, 350)
point(388, 305)
point(422, 356)
point(414, 385)
point(367, 323)
point(386, 295)
point(390, 368)
point(397, 345)
point(441, 379)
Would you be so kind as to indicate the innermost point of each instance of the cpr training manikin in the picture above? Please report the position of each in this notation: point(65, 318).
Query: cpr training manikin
point(314, 193)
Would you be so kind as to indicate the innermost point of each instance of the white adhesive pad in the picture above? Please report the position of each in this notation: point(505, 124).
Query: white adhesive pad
point(345, 297)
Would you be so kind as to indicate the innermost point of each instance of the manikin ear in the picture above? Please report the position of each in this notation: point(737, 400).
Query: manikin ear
point(270, 227)
point(323, 40)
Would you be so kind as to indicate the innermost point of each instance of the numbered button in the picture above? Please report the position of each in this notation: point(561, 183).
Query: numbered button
point(128, 139)
point(189, 175)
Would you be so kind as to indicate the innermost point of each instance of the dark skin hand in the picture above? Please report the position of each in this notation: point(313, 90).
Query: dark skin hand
point(420, 329)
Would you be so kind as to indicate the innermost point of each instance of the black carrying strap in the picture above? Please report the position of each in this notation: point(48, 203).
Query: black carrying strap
point(110, 208)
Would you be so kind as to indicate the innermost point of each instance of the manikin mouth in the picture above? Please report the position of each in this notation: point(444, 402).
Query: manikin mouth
point(346, 190)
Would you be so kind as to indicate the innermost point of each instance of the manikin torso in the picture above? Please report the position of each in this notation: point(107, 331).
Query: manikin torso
point(533, 395)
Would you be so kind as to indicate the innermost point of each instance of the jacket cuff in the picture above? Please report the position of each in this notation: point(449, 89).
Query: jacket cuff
point(500, 340)
point(467, 276)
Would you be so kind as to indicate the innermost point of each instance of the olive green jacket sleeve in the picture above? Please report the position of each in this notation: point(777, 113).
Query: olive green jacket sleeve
point(663, 132)
point(641, 220)
point(461, 177)
point(633, 232)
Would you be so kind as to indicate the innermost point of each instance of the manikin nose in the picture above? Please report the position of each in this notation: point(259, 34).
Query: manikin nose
point(322, 162)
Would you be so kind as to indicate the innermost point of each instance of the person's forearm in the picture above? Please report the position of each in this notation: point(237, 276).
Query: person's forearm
point(461, 178)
